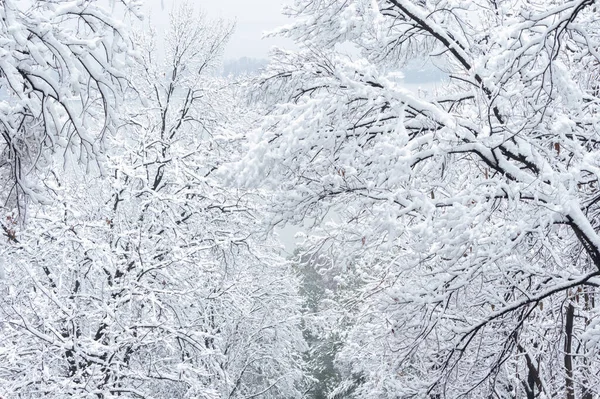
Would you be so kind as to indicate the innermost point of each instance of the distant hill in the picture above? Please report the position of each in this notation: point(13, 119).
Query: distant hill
point(419, 71)
point(243, 66)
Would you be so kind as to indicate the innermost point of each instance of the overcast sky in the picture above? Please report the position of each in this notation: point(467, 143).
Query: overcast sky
point(253, 18)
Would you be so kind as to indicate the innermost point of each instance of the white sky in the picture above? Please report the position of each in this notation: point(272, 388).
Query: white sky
point(253, 18)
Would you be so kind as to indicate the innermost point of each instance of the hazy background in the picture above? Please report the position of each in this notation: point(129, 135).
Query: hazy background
point(248, 49)
point(252, 18)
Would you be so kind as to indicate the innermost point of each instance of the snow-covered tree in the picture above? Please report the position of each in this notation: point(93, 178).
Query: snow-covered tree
point(61, 75)
point(466, 218)
point(154, 281)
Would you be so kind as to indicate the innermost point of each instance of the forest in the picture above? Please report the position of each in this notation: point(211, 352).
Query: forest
point(448, 239)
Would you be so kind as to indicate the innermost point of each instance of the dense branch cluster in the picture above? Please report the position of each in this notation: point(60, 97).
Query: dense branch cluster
point(451, 244)
point(140, 275)
point(464, 217)
point(61, 74)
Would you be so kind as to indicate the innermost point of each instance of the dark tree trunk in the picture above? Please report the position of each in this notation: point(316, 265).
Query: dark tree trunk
point(570, 390)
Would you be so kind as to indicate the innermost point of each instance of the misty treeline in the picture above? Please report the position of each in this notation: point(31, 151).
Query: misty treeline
point(449, 243)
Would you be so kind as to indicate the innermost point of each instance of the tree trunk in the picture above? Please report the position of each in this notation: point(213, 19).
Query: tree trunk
point(586, 391)
point(568, 348)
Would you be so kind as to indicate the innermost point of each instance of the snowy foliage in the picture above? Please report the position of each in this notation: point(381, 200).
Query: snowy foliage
point(152, 280)
point(61, 75)
point(452, 245)
point(464, 219)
